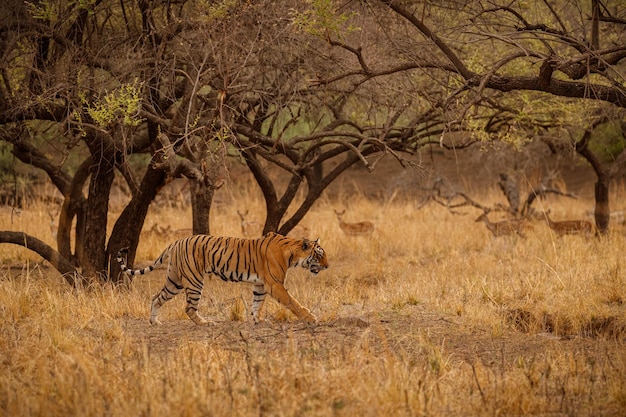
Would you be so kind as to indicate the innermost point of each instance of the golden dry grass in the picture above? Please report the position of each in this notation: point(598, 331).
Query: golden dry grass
point(433, 316)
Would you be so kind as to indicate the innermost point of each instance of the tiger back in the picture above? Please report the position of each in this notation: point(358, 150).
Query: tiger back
point(262, 262)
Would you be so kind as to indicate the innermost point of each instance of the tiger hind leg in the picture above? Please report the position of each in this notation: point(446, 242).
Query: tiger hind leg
point(258, 298)
point(170, 289)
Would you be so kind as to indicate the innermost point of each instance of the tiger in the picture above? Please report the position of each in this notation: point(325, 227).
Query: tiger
point(262, 262)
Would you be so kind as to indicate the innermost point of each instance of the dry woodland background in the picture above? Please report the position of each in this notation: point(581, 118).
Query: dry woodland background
point(430, 316)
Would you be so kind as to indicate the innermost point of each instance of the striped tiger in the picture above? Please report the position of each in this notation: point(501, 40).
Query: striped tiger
point(262, 262)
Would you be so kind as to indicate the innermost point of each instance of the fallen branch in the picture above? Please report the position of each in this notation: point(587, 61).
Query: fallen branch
point(437, 195)
point(69, 272)
point(540, 193)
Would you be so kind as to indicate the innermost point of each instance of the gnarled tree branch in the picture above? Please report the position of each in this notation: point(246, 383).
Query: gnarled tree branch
point(65, 267)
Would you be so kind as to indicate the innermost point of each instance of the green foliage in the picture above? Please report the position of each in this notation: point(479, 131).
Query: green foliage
point(322, 20)
point(43, 10)
point(524, 115)
point(476, 127)
point(122, 104)
point(608, 141)
point(210, 11)
point(50, 11)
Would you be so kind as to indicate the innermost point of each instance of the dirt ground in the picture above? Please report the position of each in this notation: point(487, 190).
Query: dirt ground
point(408, 331)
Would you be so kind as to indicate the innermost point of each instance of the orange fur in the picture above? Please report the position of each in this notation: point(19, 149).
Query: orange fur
point(262, 262)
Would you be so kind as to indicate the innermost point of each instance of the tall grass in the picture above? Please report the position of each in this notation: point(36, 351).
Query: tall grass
point(432, 316)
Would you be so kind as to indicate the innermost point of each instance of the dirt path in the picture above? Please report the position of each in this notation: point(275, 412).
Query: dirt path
point(413, 332)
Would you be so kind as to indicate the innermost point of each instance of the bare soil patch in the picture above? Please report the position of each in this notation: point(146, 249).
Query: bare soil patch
point(411, 333)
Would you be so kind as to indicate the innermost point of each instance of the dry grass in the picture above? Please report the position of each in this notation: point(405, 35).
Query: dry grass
point(433, 316)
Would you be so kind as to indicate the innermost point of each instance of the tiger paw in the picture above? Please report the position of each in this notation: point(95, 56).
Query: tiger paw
point(199, 320)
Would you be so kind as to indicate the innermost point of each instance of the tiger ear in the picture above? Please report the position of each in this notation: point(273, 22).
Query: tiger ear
point(317, 240)
point(306, 244)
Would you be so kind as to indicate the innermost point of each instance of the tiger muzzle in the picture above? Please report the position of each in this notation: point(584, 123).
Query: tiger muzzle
point(316, 268)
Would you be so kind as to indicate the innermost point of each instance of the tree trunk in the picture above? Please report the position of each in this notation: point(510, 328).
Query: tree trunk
point(602, 212)
point(73, 206)
point(127, 228)
point(276, 212)
point(201, 199)
point(267, 188)
point(277, 208)
point(93, 245)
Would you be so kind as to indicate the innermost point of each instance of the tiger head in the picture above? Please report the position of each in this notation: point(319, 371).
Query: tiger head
point(313, 256)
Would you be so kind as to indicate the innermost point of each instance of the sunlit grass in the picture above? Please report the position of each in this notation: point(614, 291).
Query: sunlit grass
point(457, 323)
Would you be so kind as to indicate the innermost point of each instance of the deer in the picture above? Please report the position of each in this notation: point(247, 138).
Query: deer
point(167, 232)
point(159, 230)
point(249, 228)
point(503, 227)
point(354, 229)
point(54, 225)
point(570, 227)
point(180, 233)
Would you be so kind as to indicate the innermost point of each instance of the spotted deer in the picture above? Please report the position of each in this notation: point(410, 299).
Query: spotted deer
point(570, 227)
point(354, 229)
point(249, 228)
point(54, 224)
point(159, 230)
point(167, 232)
point(503, 227)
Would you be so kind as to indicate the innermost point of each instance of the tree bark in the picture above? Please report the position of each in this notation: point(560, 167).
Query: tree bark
point(127, 229)
point(96, 212)
point(91, 250)
point(65, 267)
point(201, 199)
point(73, 206)
point(596, 91)
point(602, 211)
point(267, 188)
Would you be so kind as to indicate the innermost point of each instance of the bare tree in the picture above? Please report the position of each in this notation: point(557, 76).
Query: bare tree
point(558, 49)
point(104, 85)
point(182, 85)
point(153, 91)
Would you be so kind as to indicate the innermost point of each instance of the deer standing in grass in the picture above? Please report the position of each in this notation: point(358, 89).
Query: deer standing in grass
point(54, 225)
point(503, 227)
point(167, 232)
point(570, 227)
point(249, 228)
point(354, 229)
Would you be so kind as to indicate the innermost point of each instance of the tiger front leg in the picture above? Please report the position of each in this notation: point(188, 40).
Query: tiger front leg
point(282, 296)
